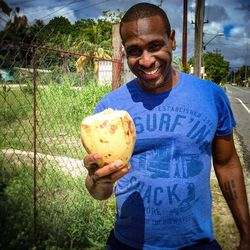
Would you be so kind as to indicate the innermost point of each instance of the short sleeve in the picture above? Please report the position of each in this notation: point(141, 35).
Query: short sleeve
point(226, 121)
point(99, 107)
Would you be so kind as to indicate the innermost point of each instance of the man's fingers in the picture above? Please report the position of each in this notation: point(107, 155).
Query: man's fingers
point(111, 178)
point(117, 175)
point(109, 169)
point(108, 173)
point(92, 159)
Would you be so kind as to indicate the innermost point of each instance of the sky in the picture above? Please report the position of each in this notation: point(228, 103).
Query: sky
point(230, 17)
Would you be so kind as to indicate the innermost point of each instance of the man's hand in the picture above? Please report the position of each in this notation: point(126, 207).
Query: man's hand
point(100, 178)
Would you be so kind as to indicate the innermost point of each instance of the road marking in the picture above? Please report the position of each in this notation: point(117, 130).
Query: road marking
point(242, 103)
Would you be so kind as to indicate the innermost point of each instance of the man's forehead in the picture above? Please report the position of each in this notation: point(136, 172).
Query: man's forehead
point(144, 28)
point(144, 20)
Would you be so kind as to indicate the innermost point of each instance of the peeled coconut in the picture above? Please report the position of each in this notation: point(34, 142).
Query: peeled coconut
point(111, 133)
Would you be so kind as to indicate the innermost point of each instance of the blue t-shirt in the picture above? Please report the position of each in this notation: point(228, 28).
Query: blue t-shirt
point(164, 202)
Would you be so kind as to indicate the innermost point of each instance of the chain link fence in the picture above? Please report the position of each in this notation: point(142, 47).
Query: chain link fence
point(44, 95)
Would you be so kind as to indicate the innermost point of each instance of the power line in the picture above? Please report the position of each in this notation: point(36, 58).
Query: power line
point(46, 7)
point(26, 1)
point(74, 1)
point(4, 19)
point(73, 9)
point(83, 8)
point(20, 2)
point(65, 13)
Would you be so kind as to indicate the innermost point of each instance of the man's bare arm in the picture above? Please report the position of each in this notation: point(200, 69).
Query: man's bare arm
point(231, 180)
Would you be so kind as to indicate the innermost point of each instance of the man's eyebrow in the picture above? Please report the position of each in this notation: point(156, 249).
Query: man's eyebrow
point(157, 41)
point(161, 41)
point(131, 46)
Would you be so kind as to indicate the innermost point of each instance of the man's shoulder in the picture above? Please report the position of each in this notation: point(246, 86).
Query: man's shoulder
point(192, 77)
point(123, 89)
point(117, 97)
point(202, 83)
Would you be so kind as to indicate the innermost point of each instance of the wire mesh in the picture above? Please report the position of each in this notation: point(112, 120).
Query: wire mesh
point(42, 102)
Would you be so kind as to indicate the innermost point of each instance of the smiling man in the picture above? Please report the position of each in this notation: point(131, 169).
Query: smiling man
point(149, 52)
point(182, 122)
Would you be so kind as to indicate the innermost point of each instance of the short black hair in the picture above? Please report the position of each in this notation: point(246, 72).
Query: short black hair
point(143, 10)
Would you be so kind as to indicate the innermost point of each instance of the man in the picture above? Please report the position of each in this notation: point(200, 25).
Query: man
point(164, 199)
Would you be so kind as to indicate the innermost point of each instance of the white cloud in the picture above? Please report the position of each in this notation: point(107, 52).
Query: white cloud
point(237, 31)
point(213, 27)
point(46, 14)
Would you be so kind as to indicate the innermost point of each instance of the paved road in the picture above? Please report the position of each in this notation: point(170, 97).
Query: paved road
point(240, 102)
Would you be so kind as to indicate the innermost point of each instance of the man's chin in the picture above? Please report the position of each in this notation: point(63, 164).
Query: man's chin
point(150, 85)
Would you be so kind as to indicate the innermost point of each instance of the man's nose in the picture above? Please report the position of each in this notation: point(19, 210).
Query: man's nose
point(147, 59)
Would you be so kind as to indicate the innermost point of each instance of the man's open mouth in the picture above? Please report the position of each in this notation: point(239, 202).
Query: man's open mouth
point(151, 74)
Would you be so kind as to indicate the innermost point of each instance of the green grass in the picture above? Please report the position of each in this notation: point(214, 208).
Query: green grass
point(59, 111)
point(67, 217)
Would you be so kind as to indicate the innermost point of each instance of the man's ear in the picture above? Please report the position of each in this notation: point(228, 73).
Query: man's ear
point(172, 38)
point(123, 50)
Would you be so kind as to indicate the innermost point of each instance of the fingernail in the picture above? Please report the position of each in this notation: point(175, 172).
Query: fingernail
point(96, 157)
point(118, 163)
point(125, 170)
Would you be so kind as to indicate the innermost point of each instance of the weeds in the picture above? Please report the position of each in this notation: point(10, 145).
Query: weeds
point(59, 112)
point(68, 218)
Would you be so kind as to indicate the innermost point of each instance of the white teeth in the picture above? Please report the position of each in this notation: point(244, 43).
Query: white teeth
point(151, 72)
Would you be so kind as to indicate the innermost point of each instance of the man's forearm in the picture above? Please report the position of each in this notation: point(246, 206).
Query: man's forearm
point(99, 190)
point(231, 181)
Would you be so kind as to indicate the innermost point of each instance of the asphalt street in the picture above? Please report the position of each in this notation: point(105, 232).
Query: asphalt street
point(240, 102)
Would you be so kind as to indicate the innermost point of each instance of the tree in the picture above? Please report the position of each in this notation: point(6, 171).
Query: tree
point(34, 31)
point(16, 26)
point(57, 25)
point(15, 30)
point(241, 76)
point(216, 67)
point(96, 32)
point(113, 17)
point(177, 63)
point(5, 8)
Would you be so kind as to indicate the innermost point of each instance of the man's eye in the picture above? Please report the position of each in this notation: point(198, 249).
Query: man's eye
point(155, 47)
point(133, 51)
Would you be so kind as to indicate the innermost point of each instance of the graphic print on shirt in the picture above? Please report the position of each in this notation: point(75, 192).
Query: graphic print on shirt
point(170, 167)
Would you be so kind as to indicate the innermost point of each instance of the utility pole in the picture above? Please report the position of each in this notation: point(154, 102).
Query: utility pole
point(116, 57)
point(246, 68)
point(184, 36)
point(199, 19)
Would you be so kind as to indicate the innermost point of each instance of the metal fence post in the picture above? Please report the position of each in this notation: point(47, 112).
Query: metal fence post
point(34, 145)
